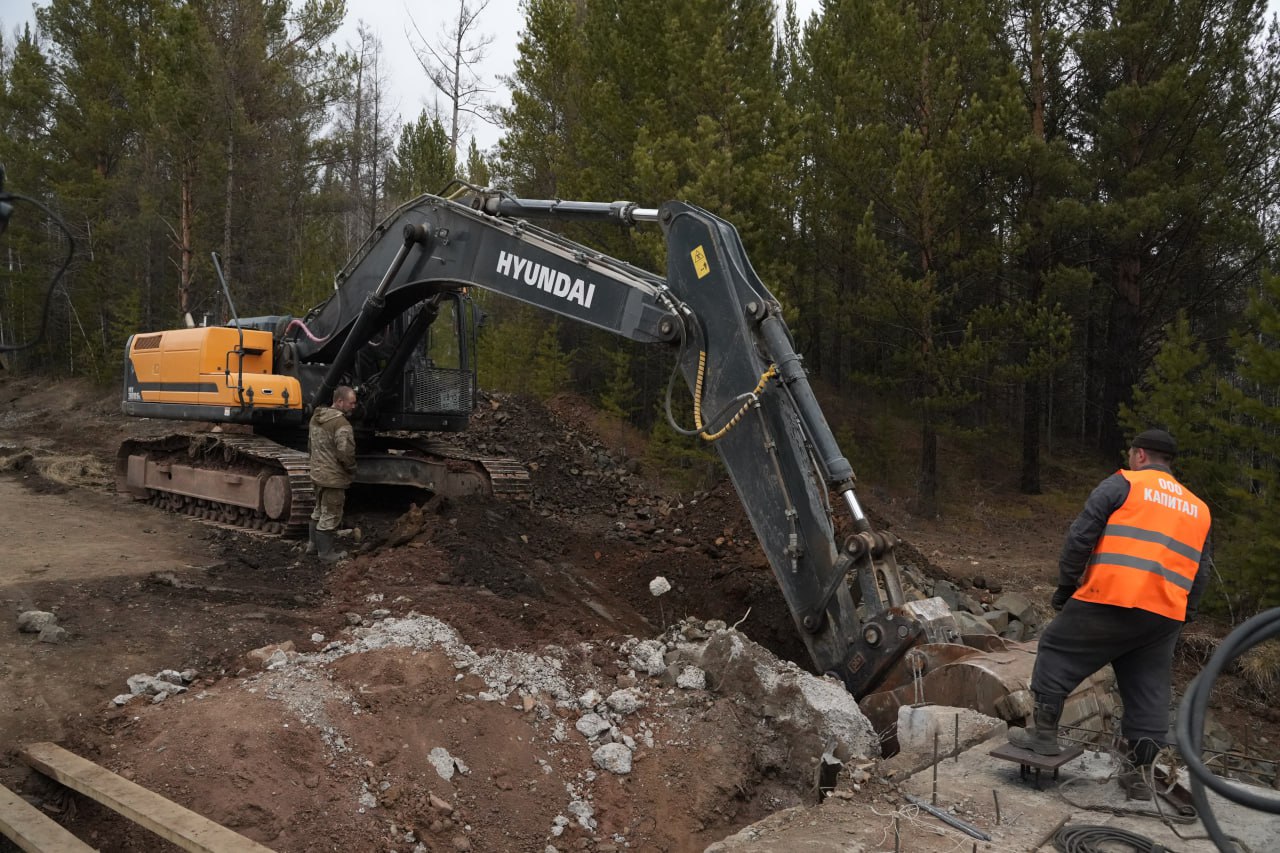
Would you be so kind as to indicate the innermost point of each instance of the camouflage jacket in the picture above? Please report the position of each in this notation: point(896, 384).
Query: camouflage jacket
point(333, 449)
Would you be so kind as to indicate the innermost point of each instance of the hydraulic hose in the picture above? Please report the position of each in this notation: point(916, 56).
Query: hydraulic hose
point(5, 210)
point(1086, 838)
point(1191, 721)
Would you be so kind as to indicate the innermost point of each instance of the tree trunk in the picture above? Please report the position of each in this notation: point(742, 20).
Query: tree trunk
point(1036, 263)
point(927, 484)
point(226, 213)
point(1032, 410)
point(1121, 368)
point(185, 248)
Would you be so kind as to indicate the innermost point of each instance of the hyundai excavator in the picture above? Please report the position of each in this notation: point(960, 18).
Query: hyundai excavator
point(400, 328)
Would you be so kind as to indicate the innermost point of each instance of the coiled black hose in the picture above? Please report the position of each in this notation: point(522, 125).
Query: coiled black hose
point(1191, 721)
point(1089, 839)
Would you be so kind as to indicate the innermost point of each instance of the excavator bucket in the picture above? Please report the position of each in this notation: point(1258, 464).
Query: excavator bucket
point(992, 677)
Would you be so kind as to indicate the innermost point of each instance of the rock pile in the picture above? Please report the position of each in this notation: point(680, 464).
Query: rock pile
point(611, 720)
point(162, 685)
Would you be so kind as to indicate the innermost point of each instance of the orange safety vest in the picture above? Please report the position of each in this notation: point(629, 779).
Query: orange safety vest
point(1149, 553)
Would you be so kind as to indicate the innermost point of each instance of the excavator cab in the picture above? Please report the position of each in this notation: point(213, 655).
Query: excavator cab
point(419, 374)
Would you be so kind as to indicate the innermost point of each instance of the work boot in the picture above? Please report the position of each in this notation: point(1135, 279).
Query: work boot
point(1042, 737)
point(311, 537)
point(324, 547)
point(1140, 759)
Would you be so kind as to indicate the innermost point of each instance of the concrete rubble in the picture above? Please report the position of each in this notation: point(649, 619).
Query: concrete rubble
point(988, 795)
point(810, 716)
point(159, 687)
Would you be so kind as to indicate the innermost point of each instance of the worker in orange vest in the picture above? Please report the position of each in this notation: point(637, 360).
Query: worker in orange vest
point(1131, 573)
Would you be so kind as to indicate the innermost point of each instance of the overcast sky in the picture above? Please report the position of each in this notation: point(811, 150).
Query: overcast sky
point(393, 23)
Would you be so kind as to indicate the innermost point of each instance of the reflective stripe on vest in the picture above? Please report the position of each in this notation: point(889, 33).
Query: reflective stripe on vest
point(1149, 553)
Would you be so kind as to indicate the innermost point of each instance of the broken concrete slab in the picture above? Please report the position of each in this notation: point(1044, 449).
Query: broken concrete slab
point(866, 818)
point(1085, 793)
point(997, 619)
point(817, 715)
point(956, 729)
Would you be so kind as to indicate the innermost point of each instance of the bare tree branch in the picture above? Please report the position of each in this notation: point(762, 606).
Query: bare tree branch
point(450, 64)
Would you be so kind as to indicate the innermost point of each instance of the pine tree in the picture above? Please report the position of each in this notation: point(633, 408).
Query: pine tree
point(1250, 423)
point(423, 160)
point(548, 91)
point(808, 293)
point(274, 78)
point(181, 138)
point(923, 121)
point(507, 343)
point(550, 373)
point(479, 170)
point(619, 394)
point(1179, 103)
point(26, 262)
point(650, 101)
point(1043, 204)
point(1227, 424)
point(1182, 393)
point(364, 132)
point(683, 462)
point(104, 56)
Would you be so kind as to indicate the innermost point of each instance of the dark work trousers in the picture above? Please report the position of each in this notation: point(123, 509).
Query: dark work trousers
point(1138, 644)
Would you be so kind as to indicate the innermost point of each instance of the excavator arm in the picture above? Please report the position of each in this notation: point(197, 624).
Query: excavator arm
point(752, 398)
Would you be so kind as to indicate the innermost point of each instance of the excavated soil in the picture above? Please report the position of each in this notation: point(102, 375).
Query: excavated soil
point(458, 733)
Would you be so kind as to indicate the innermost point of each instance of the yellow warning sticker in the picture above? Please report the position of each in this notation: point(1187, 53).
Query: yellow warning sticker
point(700, 265)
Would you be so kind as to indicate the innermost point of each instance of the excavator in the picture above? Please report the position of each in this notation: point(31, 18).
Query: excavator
point(400, 327)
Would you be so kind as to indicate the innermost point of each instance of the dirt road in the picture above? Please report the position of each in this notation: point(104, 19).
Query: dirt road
point(71, 551)
point(103, 565)
point(84, 534)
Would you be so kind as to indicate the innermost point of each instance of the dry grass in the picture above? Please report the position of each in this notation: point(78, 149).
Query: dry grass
point(1197, 648)
point(81, 471)
point(1260, 667)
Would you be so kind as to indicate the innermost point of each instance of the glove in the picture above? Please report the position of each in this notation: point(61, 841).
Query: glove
point(1190, 617)
point(1060, 596)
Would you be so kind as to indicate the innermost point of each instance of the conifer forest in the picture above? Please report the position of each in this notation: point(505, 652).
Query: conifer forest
point(1033, 224)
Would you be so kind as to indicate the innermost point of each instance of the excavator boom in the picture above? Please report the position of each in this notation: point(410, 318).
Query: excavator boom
point(752, 398)
point(751, 395)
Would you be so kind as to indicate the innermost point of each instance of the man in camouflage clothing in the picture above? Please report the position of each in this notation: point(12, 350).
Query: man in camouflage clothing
point(333, 467)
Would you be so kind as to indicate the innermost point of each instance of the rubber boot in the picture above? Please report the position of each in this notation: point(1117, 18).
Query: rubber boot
point(1042, 737)
point(324, 547)
point(311, 537)
point(1136, 782)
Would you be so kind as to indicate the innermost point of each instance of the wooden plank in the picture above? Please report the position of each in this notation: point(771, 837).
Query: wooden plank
point(165, 818)
point(32, 830)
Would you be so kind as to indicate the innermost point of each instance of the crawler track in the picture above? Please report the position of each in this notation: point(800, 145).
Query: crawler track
point(507, 477)
point(256, 484)
point(244, 481)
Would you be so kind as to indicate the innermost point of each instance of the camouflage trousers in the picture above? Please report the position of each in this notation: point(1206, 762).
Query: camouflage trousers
point(328, 512)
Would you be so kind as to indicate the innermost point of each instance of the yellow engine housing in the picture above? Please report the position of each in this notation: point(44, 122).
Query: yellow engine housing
point(207, 366)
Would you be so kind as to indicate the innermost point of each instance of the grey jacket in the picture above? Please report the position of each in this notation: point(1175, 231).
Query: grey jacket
point(333, 449)
point(1087, 529)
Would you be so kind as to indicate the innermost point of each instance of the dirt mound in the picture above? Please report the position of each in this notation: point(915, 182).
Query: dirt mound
point(399, 736)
